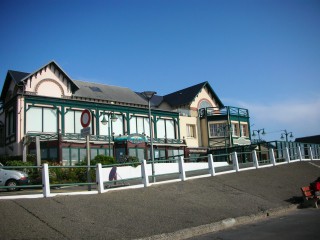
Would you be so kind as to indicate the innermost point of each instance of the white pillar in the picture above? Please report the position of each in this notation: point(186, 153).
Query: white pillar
point(272, 158)
point(100, 185)
point(234, 157)
point(211, 165)
point(255, 159)
point(38, 150)
point(287, 155)
point(182, 173)
point(144, 174)
point(299, 153)
point(45, 180)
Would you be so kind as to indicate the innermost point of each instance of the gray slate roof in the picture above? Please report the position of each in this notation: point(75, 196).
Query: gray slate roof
point(109, 93)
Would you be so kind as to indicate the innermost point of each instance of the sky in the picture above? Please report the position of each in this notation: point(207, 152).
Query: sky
point(263, 55)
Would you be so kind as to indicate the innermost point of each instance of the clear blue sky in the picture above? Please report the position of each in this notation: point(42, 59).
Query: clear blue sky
point(263, 55)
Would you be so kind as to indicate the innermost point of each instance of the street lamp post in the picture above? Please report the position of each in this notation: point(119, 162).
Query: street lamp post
point(148, 95)
point(286, 134)
point(258, 131)
point(104, 121)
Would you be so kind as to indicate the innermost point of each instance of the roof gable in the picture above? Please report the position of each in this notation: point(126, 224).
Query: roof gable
point(55, 66)
point(187, 95)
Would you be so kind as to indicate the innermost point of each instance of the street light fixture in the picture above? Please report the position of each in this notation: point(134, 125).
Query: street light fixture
point(286, 133)
point(104, 121)
point(148, 95)
point(258, 131)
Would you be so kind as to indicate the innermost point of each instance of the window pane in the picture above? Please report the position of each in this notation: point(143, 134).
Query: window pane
point(170, 129)
point(53, 153)
point(74, 156)
point(103, 128)
point(146, 126)
point(77, 122)
point(83, 154)
point(34, 119)
point(140, 154)
point(140, 125)
point(49, 120)
point(94, 153)
point(161, 131)
point(65, 156)
point(133, 125)
point(132, 152)
point(69, 122)
point(117, 126)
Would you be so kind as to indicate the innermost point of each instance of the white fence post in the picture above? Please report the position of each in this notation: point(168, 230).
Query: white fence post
point(211, 166)
point(310, 153)
point(45, 180)
point(255, 159)
point(287, 155)
point(144, 175)
point(234, 157)
point(99, 179)
point(272, 157)
point(182, 173)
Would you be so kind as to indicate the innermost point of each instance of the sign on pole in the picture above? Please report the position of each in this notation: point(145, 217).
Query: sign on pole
point(85, 131)
point(85, 118)
point(85, 122)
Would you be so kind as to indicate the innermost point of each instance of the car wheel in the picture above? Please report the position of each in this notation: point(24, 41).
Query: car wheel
point(12, 184)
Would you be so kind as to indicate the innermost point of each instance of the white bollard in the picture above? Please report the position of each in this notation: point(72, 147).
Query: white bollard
point(255, 159)
point(182, 173)
point(211, 166)
point(100, 185)
point(234, 157)
point(45, 180)
point(272, 158)
point(144, 175)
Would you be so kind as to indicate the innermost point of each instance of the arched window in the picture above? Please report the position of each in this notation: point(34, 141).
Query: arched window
point(204, 104)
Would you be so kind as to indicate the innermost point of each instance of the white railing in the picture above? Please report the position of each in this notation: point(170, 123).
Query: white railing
point(181, 169)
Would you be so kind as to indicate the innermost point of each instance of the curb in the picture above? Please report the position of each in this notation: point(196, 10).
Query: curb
point(221, 225)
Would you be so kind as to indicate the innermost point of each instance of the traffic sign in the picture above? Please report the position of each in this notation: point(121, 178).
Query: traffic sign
point(85, 118)
point(85, 132)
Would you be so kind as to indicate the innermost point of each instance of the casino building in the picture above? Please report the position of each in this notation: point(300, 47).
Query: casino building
point(43, 108)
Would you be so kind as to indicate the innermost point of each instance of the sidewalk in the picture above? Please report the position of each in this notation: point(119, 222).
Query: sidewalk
point(167, 211)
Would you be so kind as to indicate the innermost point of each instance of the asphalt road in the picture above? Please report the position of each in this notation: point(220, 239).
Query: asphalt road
point(167, 211)
point(299, 225)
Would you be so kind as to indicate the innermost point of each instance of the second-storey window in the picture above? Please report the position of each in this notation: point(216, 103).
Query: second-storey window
point(41, 119)
point(72, 122)
point(139, 125)
point(165, 129)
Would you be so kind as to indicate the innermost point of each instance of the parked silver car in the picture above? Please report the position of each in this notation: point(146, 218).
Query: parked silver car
point(12, 178)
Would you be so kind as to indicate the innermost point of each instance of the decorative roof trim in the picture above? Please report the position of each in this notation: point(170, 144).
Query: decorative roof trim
point(74, 85)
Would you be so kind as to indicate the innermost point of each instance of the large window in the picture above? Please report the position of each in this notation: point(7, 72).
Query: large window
point(41, 119)
point(72, 122)
point(166, 129)
point(116, 127)
point(139, 125)
point(137, 152)
point(218, 130)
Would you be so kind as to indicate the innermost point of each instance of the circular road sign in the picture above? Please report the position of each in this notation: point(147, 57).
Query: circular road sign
point(85, 118)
